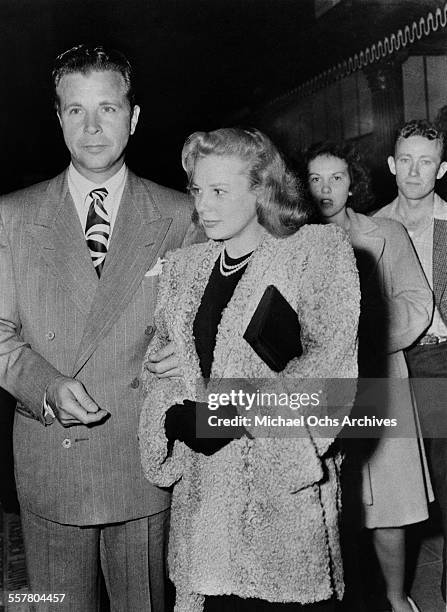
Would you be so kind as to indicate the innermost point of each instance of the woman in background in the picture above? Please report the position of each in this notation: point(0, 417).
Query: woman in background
point(254, 522)
point(396, 306)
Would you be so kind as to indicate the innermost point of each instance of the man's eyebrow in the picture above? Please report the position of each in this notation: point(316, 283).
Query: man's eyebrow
point(114, 102)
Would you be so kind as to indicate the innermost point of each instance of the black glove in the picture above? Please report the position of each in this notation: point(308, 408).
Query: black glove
point(180, 424)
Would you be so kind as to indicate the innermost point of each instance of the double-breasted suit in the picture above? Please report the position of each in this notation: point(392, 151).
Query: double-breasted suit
point(56, 317)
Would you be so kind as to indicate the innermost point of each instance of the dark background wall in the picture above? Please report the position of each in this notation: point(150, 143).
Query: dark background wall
point(197, 61)
point(201, 64)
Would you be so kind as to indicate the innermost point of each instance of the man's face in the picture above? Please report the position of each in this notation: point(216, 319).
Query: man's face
point(96, 121)
point(416, 165)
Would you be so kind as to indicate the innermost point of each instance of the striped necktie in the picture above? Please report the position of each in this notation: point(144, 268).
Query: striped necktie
point(97, 228)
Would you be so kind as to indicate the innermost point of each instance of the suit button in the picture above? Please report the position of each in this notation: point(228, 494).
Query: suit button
point(50, 335)
point(66, 443)
point(135, 383)
point(149, 331)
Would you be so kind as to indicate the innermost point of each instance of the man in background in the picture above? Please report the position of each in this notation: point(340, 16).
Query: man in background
point(417, 163)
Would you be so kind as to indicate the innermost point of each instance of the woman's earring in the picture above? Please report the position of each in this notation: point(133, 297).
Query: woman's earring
point(349, 193)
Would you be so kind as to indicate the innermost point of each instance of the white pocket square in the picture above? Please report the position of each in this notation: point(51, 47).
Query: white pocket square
point(157, 269)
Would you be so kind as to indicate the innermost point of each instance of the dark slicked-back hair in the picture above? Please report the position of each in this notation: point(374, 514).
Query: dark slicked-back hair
point(89, 58)
point(362, 197)
point(421, 127)
point(281, 206)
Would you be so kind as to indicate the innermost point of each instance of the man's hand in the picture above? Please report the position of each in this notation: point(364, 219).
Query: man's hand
point(71, 403)
point(165, 363)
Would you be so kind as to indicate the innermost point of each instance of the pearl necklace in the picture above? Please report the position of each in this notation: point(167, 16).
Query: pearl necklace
point(229, 269)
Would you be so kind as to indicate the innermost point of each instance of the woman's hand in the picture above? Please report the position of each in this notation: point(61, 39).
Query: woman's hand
point(180, 424)
point(165, 363)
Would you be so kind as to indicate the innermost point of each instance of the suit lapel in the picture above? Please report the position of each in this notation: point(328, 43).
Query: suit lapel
point(60, 239)
point(134, 247)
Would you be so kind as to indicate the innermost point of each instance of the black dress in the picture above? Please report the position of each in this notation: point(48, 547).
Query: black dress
point(216, 296)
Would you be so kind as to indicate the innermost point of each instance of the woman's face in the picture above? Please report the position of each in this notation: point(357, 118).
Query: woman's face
point(225, 203)
point(329, 184)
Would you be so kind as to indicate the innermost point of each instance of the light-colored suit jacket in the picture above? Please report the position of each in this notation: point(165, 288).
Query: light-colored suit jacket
point(438, 282)
point(57, 317)
point(396, 299)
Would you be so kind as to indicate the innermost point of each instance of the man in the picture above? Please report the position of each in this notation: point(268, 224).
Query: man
point(416, 164)
point(79, 258)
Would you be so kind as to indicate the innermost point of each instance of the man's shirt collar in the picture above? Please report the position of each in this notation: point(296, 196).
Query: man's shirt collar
point(83, 186)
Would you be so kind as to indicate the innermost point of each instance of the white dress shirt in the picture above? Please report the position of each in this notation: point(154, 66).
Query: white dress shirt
point(80, 187)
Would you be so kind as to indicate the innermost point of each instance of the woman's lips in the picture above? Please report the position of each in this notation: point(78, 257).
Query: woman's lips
point(209, 223)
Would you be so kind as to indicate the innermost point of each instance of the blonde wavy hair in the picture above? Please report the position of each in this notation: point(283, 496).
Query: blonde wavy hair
point(281, 205)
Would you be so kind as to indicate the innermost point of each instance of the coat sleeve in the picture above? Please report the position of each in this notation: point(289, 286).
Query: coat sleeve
point(408, 297)
point(328, 308)
point(160, 394)
point(23, 372)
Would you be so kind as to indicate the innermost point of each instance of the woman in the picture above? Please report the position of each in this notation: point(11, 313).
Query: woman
point(395, 309)
point(253, 524)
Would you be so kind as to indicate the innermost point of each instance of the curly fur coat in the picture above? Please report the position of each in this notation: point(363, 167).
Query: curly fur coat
point(259, 518)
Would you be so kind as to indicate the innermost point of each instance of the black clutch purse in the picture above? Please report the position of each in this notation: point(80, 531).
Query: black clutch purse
point(274, 330)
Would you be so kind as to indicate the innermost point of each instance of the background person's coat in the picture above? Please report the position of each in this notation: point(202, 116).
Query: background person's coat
point(396, 307)
point(259, 518)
